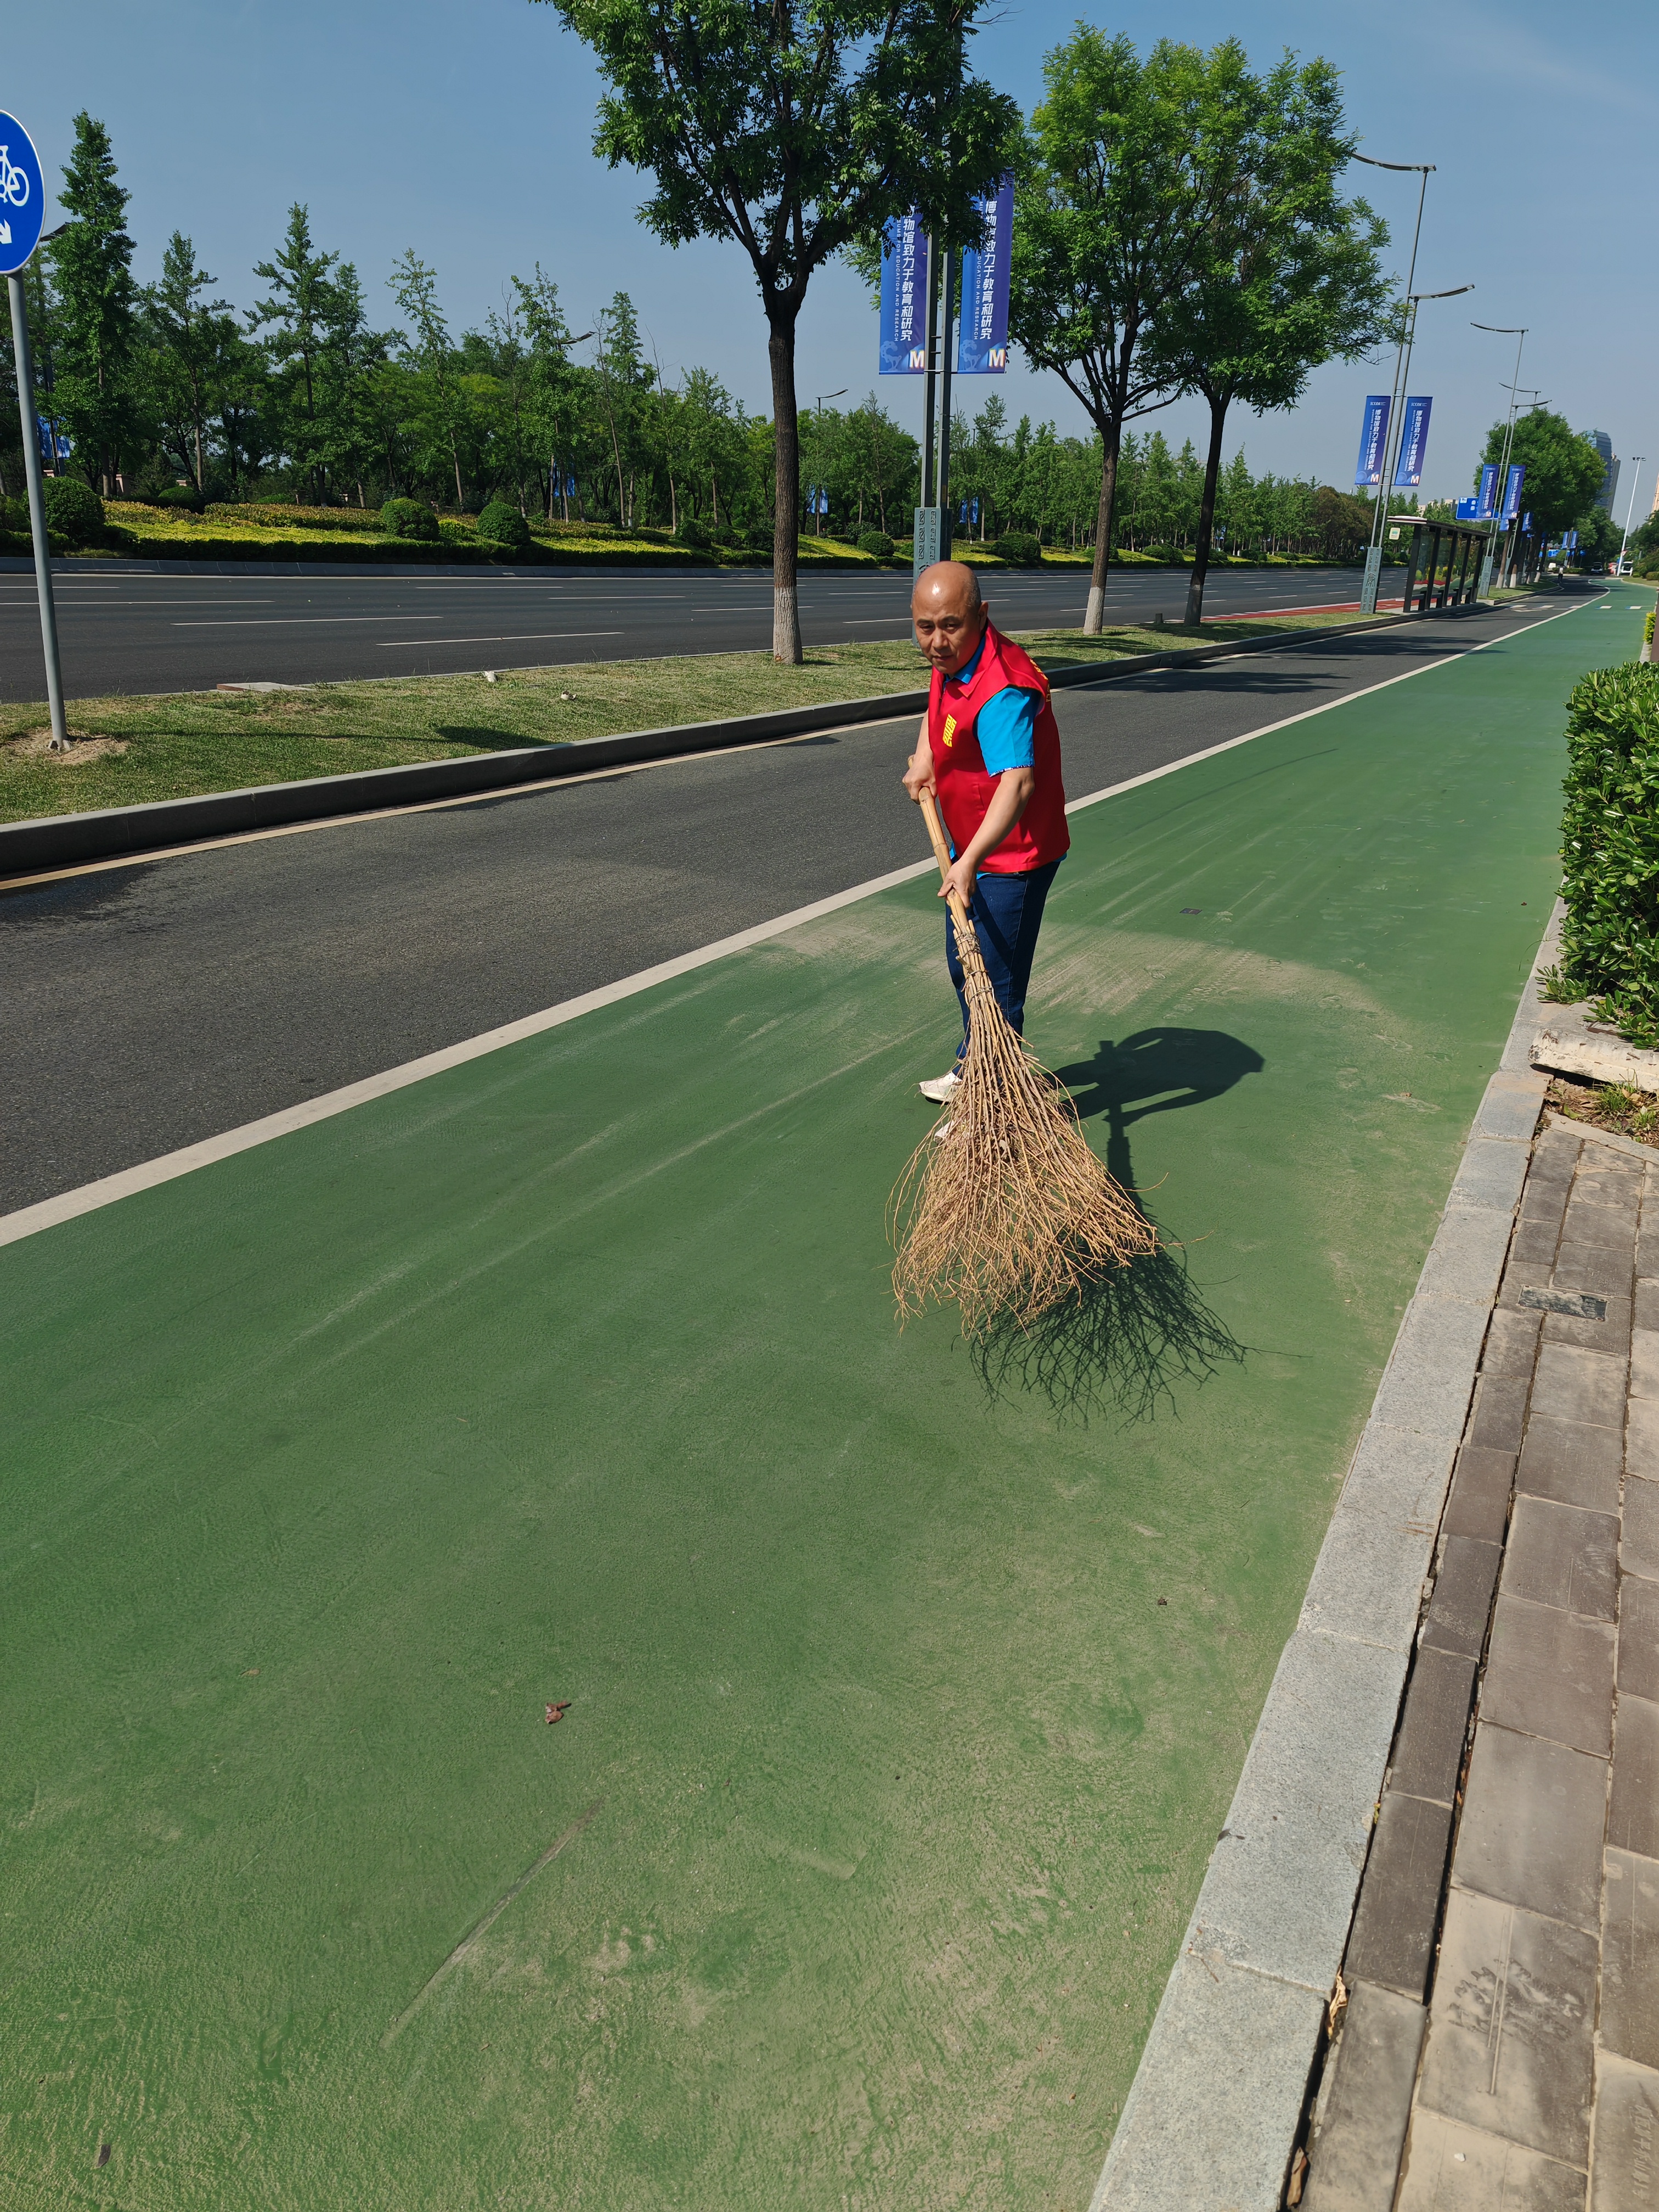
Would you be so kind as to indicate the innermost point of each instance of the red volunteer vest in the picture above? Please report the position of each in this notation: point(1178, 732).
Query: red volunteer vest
point(965, 788)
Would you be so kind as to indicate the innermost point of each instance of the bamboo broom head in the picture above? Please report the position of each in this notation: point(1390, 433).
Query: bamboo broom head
point(1003, 1209)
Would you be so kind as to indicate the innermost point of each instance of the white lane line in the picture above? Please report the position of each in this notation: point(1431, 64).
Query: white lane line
point(290, 621)
point(121, 605)
point(527, 584)
point(70, 1205)
point(495, 637)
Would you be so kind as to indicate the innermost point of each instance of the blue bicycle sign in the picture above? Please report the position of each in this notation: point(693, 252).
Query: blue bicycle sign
point(22, 196)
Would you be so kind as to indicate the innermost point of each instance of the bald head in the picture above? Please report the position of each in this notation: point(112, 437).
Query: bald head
point(948, 613)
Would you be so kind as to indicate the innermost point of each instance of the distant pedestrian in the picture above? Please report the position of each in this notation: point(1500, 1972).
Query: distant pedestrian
point(989, 750)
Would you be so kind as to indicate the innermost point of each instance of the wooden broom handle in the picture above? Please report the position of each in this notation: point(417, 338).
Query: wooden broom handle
point(942, 852)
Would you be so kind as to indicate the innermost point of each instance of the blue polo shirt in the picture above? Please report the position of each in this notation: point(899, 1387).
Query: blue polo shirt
point(1006, 729)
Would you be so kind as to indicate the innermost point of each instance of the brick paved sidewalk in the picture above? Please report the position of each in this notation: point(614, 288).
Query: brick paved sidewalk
point(1500, 2044)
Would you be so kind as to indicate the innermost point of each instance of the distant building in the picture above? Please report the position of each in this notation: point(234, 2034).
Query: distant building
point(1609, 491)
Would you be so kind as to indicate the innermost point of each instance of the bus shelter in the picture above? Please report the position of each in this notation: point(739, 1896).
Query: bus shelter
point(1442, 561)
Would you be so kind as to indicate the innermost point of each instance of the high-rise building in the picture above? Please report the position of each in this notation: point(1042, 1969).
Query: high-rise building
point(1609, 491)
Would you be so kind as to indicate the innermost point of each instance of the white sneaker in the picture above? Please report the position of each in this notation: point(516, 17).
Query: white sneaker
point(938, 1088)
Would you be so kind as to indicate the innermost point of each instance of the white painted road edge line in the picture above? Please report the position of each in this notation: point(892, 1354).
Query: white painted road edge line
point(108, 1190)
point(1212, 2112)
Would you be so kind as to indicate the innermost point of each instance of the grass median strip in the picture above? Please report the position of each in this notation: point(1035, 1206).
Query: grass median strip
point(178, 744)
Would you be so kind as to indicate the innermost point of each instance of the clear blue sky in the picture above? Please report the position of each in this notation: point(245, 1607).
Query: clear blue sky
point(465, 132)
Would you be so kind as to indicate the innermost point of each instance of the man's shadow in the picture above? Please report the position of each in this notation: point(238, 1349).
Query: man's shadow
point(1124, 1339)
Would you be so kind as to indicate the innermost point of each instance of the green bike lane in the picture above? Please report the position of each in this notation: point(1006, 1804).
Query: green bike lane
point(905, 1698)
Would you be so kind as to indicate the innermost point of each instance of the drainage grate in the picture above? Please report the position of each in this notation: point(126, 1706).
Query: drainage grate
point(1579, 1303)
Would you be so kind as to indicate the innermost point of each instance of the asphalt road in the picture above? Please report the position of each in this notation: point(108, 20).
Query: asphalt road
point(129, 628)
point(143, 1007)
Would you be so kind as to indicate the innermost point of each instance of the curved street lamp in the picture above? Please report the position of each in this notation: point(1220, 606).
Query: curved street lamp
point(1518, 332)
point(1629, 511)
point(1402, 361)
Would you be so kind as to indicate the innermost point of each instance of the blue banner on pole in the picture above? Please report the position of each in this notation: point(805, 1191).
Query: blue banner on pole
point(1486, 497)
point(904, 298)
point(982, 346)
point(1526, 524)
point(1373, 440)
point(1415, 438)
point(1517, 477)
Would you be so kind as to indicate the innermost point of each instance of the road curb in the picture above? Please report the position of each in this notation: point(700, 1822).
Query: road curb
point(1213, 2113)
point(57, 841)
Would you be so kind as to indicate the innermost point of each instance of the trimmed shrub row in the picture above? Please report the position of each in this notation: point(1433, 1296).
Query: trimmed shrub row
point(276, 514)
point(1610, 850)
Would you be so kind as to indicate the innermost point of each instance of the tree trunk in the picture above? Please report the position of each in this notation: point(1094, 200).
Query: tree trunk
point(1206, 517)
point(1111, 438)
point(786, 519)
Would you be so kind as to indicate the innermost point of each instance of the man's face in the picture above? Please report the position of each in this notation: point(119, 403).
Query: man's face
point(948, 626)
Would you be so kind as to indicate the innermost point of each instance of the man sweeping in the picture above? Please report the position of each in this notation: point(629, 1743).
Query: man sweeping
point(988, 750)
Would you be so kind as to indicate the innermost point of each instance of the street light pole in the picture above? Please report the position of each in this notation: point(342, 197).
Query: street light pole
point(1512, 535)
point(1629, 511)
point(24, 364)
point(1519, 334)
point(817, 410)
point(1401, 364)
point(1395, 442)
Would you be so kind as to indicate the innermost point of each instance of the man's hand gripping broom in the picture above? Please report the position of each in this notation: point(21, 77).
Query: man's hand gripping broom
point(1003, 1207)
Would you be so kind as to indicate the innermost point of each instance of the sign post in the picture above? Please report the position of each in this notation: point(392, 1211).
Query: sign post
point(22, 210)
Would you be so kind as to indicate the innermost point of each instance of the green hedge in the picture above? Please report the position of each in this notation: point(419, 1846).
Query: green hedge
point(1610, 849)
point(277, 514)
point(397, 552)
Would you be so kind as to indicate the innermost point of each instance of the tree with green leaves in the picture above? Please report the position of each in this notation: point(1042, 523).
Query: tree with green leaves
point(248, 435)
point(297, 314)
point(555, 410)
point(884, 462)
point(346, 381)
point(95, 387)
point(1563, 469)
point(711, 444)
point(1288, 275)
point(192, 342)
point(414, 288)
point(795, 131)
point(1113, 215)
point(623, 380)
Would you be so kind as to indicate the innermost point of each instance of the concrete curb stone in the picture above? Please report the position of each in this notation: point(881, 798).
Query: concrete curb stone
point(1278, 1899)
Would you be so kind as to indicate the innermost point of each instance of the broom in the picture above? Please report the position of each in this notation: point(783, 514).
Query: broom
point(1003, 1207)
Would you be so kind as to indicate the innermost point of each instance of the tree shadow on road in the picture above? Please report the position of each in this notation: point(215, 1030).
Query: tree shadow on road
point(1122, 1343)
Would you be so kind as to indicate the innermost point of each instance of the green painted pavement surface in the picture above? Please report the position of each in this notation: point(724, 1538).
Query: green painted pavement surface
point(903, 1713)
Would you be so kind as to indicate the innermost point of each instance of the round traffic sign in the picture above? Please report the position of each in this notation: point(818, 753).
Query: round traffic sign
point(22, 196)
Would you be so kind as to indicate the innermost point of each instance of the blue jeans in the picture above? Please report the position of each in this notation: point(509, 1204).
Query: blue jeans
point(1007, 914)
